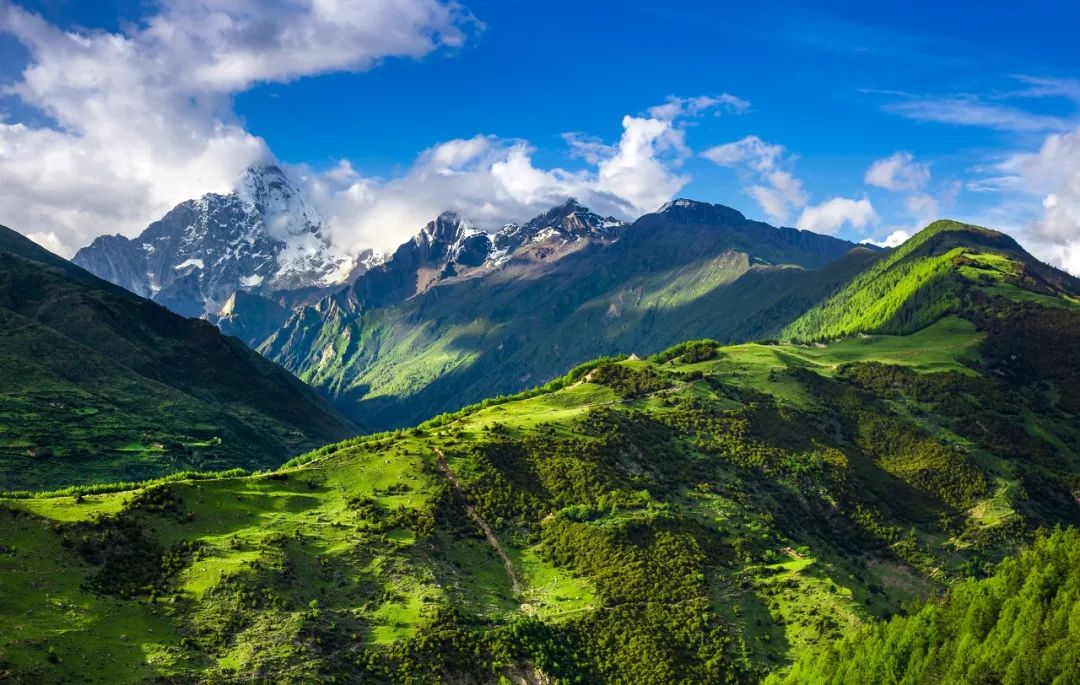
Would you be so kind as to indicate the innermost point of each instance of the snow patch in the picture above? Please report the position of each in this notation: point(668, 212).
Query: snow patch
point(197, 263)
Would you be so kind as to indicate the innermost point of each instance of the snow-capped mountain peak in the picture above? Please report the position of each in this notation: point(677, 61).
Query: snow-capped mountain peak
point(284, 209)
point(568, 222)
point(263, 237)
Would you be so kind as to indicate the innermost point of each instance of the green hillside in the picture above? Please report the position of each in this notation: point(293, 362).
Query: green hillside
point(97, 384)
point(930, 275)
point(711, 514)
point(702, 271)
point(1018, 626)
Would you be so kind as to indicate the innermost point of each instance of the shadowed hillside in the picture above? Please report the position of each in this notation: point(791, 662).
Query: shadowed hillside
point(99, 384)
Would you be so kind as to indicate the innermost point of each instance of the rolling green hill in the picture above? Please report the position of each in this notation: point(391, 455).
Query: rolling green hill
point(710, 514)
point(930, 275)
point(97, 384)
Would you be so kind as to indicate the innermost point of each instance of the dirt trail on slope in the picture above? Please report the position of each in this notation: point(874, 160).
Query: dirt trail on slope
point(444, 467)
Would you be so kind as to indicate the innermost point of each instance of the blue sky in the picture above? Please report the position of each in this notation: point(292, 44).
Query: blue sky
point(973, 104)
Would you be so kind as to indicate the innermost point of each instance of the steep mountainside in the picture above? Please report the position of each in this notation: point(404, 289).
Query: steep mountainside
point(264, 237)
point(1018, 626)
point(456, 315)
point(929, 276)
point(711, 514)
point(99, 384)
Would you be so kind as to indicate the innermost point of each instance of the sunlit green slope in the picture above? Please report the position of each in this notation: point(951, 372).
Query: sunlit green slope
point(936, 272)
point(709, 515)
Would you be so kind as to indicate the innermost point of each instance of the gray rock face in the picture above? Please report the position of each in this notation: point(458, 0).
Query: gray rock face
point(250, 317)
point(451, 246)
point(262, 238)
point(569, 222)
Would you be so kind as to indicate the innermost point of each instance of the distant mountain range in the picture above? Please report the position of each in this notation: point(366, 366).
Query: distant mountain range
point(457, 314)
point(444, 321)
point(99, 384)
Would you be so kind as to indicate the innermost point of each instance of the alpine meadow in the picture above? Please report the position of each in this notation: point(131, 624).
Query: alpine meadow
point(290, 393)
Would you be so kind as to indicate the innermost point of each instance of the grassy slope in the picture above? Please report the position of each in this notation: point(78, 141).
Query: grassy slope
point(927, 277)
point(99, 385)
point(709, 517)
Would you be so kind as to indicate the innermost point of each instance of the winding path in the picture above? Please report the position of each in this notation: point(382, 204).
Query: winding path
point(444, 467)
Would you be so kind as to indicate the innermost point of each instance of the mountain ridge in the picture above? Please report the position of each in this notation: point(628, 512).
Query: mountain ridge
point(474, 331)
point(100, 383)
point(925, 277)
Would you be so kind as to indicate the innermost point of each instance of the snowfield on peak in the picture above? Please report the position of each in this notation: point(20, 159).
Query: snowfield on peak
point(263, 237)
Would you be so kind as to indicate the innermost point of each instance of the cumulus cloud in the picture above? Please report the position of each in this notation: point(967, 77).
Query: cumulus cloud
point(142, 119)
point(894, 239)
point(751, 151)
point(1053, 175)
point(779, 193)
point(898, 172)
point(829, 216)
point(776, 190)
point(494, 181)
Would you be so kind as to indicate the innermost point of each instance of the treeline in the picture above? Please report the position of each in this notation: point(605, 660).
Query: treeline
point(692, 351)
point(1020, 626)
point(105, 488)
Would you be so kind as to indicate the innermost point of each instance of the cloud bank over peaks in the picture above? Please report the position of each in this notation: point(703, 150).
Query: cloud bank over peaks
point(1052, 174)
point(142, 119)
point(495, 181)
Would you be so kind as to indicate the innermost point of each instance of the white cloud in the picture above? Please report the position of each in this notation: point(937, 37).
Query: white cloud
point(894, 239)
point(675, 107)
point(751, 150)
point(970, 111)
point(1053, 175)
point(776, 190)
point(898, 171)
point(142, 119)
point(779, 193)
point(829, 216)
point(779, 196)
point(493, 181)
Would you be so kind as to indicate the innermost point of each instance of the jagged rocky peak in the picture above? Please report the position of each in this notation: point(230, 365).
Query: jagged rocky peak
point(574, 219)
point(570, 221)
point(685, 211)
point(285, 210)
point(264, 236)
point(448, 227)
point(452, 239)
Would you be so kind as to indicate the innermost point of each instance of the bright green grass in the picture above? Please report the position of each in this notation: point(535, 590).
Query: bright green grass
point(940, 346)
point(384, 584)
